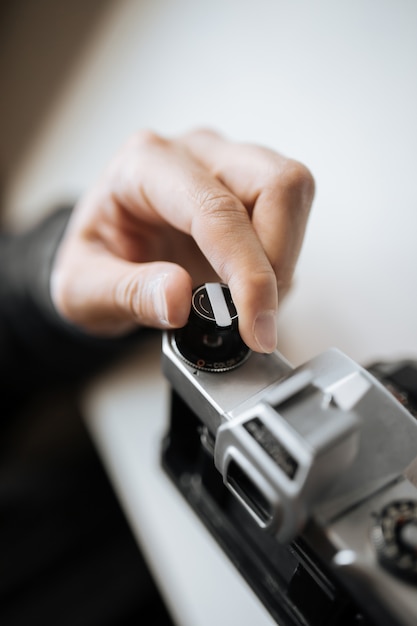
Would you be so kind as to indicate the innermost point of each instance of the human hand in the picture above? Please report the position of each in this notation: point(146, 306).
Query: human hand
point(167, 215)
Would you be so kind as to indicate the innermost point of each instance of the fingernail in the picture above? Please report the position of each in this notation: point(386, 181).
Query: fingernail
point(158, 298)
point(265, 331)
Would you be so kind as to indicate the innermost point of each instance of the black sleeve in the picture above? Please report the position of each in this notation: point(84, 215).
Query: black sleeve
point(37, 347)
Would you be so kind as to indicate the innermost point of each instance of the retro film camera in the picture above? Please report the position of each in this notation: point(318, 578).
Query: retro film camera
point(306, 477)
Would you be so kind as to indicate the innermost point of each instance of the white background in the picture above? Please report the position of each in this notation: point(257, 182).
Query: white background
point(332, 84)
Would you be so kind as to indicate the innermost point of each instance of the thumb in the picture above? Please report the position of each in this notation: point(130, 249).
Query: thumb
point(110, 296)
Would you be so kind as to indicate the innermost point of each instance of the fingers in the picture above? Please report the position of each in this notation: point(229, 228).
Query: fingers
point(245, 207)
point(277, 192)
point(179, 189)
point(222, 228)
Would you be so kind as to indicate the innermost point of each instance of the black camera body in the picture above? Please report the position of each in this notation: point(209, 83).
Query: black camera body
point(307, 477)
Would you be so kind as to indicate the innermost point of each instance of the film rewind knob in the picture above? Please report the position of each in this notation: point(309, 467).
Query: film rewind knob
point(210, 341)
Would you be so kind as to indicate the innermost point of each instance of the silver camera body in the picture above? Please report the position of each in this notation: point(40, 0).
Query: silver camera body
point(323, 451)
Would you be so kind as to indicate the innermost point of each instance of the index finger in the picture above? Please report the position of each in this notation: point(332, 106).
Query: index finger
point(276, 191)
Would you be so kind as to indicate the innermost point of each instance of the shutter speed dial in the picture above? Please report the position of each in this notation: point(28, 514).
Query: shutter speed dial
point(210, 341)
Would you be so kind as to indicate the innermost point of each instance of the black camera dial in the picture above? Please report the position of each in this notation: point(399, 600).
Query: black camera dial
point(395, 538)
point(213, 302)
point(210, 341)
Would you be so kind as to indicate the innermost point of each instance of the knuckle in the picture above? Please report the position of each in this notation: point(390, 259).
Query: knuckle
point(146, 139)
point(261, 282)
point(203, 132)
point(263, 279)
point(297, 180)
point(216, 204)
